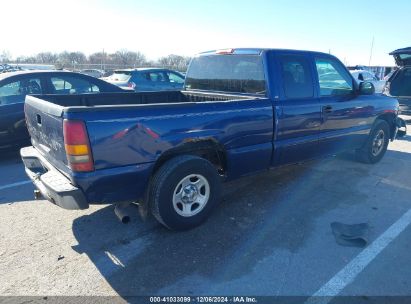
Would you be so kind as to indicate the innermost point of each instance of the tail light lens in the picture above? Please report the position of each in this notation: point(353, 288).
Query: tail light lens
point(77, 146)
point(131, 85)
point(225, 52)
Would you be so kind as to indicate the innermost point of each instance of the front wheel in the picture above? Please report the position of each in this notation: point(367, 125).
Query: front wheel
point(376, 145)
point(184, 191)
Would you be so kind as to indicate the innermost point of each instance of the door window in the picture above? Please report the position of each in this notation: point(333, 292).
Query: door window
point(15, 92)
point(296, 75)
point(333, 78)
point(72, 85)
point(368, 76)
point(156, 77)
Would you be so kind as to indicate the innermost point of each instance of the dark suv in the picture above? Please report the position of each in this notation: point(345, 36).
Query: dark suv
point(399, 84)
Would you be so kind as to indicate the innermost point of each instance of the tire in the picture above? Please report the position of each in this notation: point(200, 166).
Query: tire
point(184, 191)
point(376, 144)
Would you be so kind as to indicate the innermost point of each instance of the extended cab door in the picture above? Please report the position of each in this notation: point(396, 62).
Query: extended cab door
point(299, 112)
point(345, 116)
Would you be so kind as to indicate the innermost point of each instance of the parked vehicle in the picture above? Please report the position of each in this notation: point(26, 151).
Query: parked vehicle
point(93, 72)
point(242, 111)
point(33, 66)
point(399, 84)
point(14, 86)
point(362, 75)
point(6, 68)
point(147, 79)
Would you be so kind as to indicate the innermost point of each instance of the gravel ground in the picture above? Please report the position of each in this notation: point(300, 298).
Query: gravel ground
point(270, 236)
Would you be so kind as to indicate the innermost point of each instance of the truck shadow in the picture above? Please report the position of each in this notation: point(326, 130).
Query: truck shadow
point(12, 171)
point(256, 216)
point(11, 155)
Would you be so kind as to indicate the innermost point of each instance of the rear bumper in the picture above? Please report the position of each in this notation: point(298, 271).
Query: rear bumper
point(52, 184)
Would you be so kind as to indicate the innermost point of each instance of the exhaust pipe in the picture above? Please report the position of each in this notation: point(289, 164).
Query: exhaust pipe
point(37, 194)
point(121, 213)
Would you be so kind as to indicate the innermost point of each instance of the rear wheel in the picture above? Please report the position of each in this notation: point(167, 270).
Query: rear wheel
point(376, 145)
point(184, 191)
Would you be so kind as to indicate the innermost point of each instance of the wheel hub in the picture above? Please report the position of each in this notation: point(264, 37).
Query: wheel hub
point(189, 194)
point(378, 143)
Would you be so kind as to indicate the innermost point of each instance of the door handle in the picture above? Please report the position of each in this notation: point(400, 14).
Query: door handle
point(38, 118)
point(327, 109)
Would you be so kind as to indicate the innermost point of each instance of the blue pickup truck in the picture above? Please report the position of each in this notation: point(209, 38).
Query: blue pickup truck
point(241, 111)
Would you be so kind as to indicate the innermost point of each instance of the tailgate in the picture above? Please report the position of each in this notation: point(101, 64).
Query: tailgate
point(402, 56)
point(45, 124)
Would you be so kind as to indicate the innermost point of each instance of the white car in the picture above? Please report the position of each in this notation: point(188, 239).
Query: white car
point(93, 72)
point(362, 75)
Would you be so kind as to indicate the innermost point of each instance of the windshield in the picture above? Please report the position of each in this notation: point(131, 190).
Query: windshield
point(227, 73)
point(120, 76)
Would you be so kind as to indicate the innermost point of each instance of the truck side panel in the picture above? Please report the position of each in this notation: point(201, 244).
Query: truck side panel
point(132, 139)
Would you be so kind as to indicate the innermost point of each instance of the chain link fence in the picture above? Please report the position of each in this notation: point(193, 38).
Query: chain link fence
point(111, 67)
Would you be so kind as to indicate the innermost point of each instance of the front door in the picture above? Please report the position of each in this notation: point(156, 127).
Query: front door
point(345, 122)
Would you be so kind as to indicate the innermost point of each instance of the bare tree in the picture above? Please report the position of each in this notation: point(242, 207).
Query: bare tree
point(121, 58)
point(77, 57)
point(5, 56)
point(98, 58)
point(66, 59)
point(175, 62)
point(125, 57)
point(46, 57)
point(26, 59)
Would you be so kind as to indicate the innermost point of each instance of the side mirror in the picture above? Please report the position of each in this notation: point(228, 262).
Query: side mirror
point(366, 88)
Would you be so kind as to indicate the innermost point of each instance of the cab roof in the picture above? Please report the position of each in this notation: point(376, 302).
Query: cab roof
point(255, 51)
point(27, 72)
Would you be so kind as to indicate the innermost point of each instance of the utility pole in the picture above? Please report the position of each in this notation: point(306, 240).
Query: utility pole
point(372, 46)
point(102, 60)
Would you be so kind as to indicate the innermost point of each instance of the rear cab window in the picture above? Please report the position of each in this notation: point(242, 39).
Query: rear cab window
point(296, 76)
point(227, 73)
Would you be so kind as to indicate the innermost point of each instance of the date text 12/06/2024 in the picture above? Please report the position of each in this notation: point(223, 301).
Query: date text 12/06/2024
point(204, 299)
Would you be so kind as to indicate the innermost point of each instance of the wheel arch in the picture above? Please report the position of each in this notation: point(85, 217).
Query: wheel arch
point(208, 149)
point(390, 119)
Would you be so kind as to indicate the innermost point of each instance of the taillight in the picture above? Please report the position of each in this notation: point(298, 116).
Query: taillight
point(225, 52)
point(131, 85)
point(77, 146)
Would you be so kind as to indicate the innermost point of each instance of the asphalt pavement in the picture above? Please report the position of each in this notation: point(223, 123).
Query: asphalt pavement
point(270, 236)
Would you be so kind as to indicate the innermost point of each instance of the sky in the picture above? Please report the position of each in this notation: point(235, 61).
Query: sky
point(345, 28)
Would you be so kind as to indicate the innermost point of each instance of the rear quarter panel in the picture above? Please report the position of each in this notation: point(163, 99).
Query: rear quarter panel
point(141, 134)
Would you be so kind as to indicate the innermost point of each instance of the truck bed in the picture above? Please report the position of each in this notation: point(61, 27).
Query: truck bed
point(136, 98)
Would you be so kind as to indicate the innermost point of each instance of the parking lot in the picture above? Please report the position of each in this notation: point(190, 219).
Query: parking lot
point(270, 236)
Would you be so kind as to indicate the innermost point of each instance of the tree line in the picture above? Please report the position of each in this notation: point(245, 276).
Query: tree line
point(121, 58)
